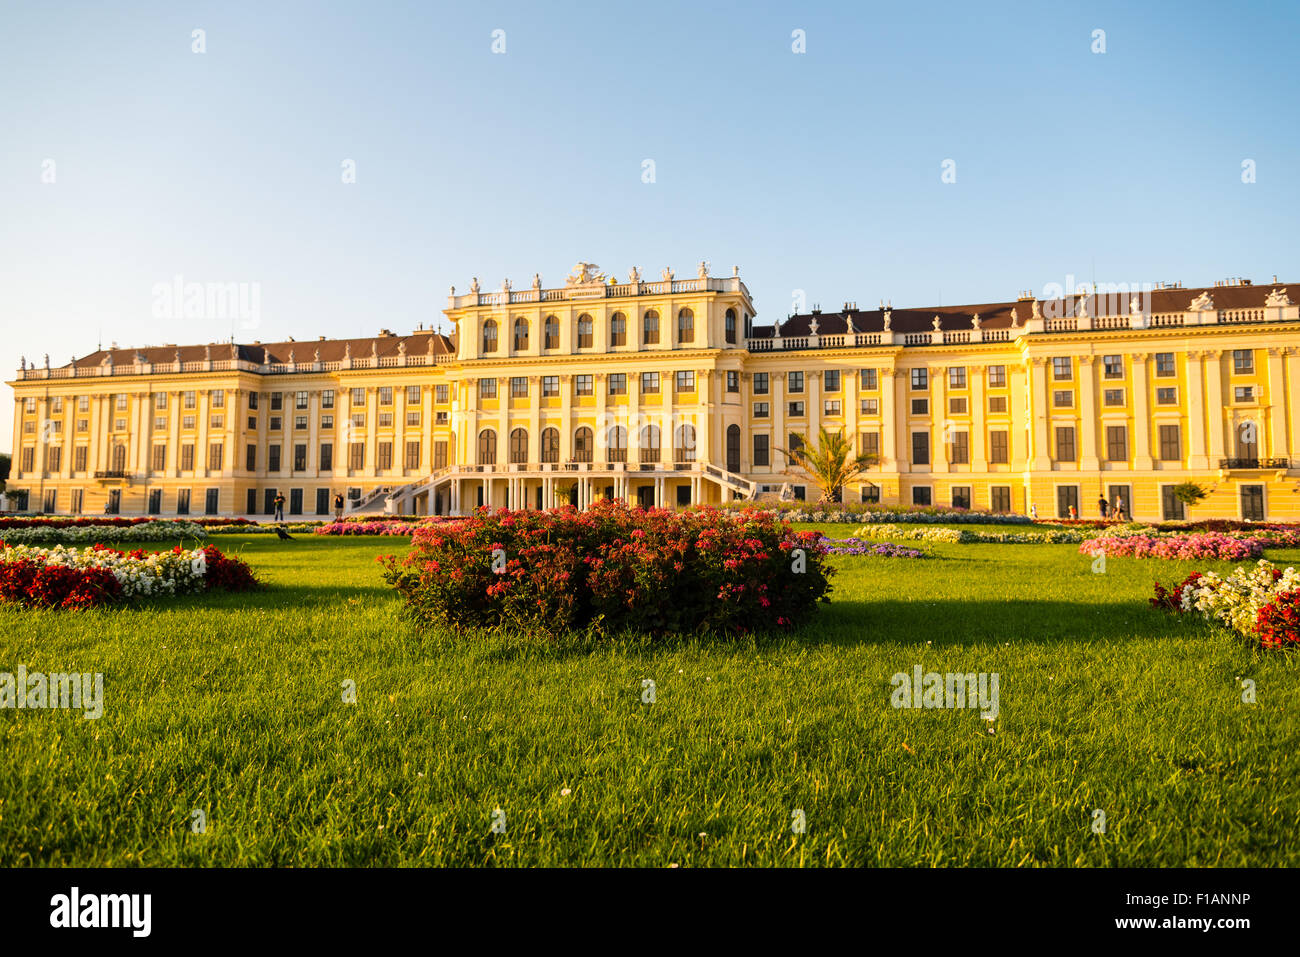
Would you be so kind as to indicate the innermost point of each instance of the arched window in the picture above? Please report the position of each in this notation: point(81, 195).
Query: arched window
point(583, 444)
point(618, 329)
point(585, 329)
point(490, 336)
point(650, 327)
point(552, 333)
point(487, 447)
point(684, 443)
point(550, 445)
point(518, 446)
point(650, 444)
point(617, 445)
point(685, 326)
point(733, 448)
point(731, 325)
point(521, 334)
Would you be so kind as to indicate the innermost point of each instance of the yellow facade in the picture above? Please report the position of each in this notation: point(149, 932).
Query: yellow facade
point(665, 392)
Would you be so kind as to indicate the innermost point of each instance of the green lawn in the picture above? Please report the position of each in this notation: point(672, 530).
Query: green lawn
point(233, 705)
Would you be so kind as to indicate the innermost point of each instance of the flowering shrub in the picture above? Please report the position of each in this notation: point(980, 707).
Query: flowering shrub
point(1209, 545)
point(963, 536)
point(62, 577)
point(613, 568)
point(128, 532)
point(853, 546)
point(371, 527)
point(1260, 603)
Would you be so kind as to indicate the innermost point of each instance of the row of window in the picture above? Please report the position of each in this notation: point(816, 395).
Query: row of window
point(1243, 363)
point(585, 328)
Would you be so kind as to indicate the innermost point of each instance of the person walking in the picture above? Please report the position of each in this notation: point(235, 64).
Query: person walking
point(279, 506)
point(1119, 508)
point(1103, 506)
point(1074, 513)
point(338, 506)
point(1033, 511)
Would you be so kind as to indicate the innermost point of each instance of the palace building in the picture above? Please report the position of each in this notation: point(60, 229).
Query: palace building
point(666, 392)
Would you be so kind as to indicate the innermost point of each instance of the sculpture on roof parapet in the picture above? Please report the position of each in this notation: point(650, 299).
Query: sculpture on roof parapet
point(1201, 303)
point(1277, 298)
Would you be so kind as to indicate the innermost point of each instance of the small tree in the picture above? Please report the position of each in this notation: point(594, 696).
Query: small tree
point(831, 465)
point(1189, 493)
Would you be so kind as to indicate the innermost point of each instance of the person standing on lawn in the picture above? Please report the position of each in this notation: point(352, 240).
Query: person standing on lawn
point(338, 506)
point(279, 506)
point(1103, 506)
point(1119, 508)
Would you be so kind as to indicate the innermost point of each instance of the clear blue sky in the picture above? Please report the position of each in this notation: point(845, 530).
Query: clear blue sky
point(817, 171)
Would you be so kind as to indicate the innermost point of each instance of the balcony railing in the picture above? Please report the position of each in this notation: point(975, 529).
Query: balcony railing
point(1254, 463)
point(113, 474)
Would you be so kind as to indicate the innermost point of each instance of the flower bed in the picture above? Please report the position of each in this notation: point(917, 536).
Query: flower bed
point(871, 512)
point(1260, 603)
point(964, 536)
point(372, 527)
point(1210, 545)
point(155, 531)
point(62, 577)
point(854, 546)
point(613, 569)
point(108, 521)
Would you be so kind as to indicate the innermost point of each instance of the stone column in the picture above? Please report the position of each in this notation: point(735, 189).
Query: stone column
point(979, 419)
point(1196, 457)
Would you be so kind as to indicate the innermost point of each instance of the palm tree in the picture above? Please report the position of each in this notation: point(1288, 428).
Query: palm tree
point(831, 465)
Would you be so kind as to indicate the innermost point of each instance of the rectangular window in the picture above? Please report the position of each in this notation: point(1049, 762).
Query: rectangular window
point(920, 406)
point(1244, 393)
point(957, 405)
point(160, 401)
point(1117, 443)
point(487, 388)
point(1000, 498)
point(960, 448)
point(997, 377)
point(358, 397)
point(649, 382)
point(519, 387)
point(250, 458)
point(275, 423)
point(870, 406)
point(794, 382)
point(83, 425)
point(358, 420)
point(761, 410)
point(1166, 396)
point(1171, 507)
point(920, 448)
point(869, 380)
point(53, 460)
point(869, 444)
point(831, 407)
point(413, 455)
point(28, 461)
point(831, 378)
point(1062, 368)
point(1243, 361)
point(1165, 364)
point(684, 381)
point(384, 455)
point(921, 496)
point(956, 377)
point(385, 420)
point(1067, 501)
point(83, 403)
point(79, 458)
point(188, 399)
point(997, 403)
point(1252, 503)
point(273, 458)
point(550, 386)
point(1112, 367)
point(618, 383)
point(183, 501)
point(761, 452)
point(277, 401)
point(1063, 399)
point(760, 383)
point(412, 395)
point(356, 456)
point(300, 458)
point(869, 493)
point(1065, 443)
point(961, 496)
point(155, 501)
point(413, 419)
point(327, 456)
point(327, 399)
point(122, 397)
point(187, 458)
point(920, 381)
point(159, 458)
point(299, 422)
point(442, 394)
point(583, 385)
point(733, 381)
point(385, 395)
point(795, 409)
point(1171, 444)
point(1113, 397)
point(440, 454)
point(998, 452)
